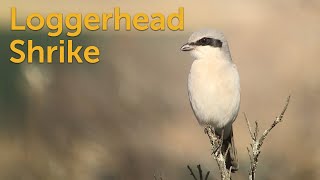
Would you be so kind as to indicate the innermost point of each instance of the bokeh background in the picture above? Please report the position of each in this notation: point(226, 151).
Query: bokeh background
point(128, 117)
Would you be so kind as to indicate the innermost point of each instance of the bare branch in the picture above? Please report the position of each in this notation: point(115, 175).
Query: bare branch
point(258, 142)
point(191, 173)
point(256, 131)
point(249, 125)
point(207, 175)
point(250, 156)
point(278, 120)
point(200, 173)
point(155, 177)
point(216, 144)
point(226, 153)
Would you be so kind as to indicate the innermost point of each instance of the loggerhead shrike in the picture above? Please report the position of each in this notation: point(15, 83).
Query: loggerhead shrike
point(214, 87)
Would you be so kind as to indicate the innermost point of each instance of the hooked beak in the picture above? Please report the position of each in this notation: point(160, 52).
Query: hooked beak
point(187, 47)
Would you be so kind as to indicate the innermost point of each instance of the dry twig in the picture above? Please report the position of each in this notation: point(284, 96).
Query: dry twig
point(200, 173)
point(258, 142)
point(156, 177)
point(216, 144)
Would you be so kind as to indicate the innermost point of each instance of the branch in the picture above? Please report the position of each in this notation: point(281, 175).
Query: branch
point(216, 144)
point(200, 173)
point(249, 126)
point(258, 142)
point(155, 177)
point(191, 173)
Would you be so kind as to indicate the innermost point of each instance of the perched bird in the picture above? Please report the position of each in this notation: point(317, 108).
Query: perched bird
point(214, 87)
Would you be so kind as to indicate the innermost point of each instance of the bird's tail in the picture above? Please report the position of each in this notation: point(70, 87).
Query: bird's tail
point(231, 157)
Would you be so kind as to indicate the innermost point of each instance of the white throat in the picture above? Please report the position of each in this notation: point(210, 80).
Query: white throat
point(209, 53)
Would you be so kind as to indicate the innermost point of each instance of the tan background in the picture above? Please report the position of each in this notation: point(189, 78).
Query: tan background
point(128, 117)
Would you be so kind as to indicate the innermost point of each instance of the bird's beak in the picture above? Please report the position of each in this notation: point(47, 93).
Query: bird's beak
point(187, 47)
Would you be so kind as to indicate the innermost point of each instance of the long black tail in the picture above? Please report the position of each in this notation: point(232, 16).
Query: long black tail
point(231, 158)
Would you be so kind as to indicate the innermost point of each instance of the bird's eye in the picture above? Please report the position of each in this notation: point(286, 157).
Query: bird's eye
point(217, 43)
point(209, 42)
point(205, 41)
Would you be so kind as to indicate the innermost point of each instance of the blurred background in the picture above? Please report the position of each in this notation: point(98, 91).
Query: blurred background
point(128, 117)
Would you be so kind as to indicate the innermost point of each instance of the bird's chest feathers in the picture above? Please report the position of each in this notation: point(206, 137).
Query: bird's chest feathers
point(214, 90)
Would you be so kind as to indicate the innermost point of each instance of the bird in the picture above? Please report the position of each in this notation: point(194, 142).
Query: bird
point(214, 87)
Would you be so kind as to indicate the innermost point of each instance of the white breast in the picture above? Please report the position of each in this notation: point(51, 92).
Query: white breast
point(214, 92)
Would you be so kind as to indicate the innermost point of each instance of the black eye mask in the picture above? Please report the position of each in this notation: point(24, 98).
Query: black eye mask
point(208, 42)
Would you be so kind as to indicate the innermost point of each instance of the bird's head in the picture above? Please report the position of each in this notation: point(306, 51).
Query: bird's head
point(206, 44)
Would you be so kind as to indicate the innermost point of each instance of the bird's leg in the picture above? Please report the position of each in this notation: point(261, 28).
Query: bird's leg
point(222, 134)
point(221, 140)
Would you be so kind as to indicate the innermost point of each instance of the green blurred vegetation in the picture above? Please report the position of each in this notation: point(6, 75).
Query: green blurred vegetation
point(13, 96)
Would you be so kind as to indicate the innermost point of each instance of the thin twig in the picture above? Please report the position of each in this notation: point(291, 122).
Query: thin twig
point(227, 151)
point(200, 172)
point(256, 131)
point(249, 126)
point(278, 120)
point(207, 175)
point(258, 142)
point(250, 156)
point(155, 177)
point(191, 173)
